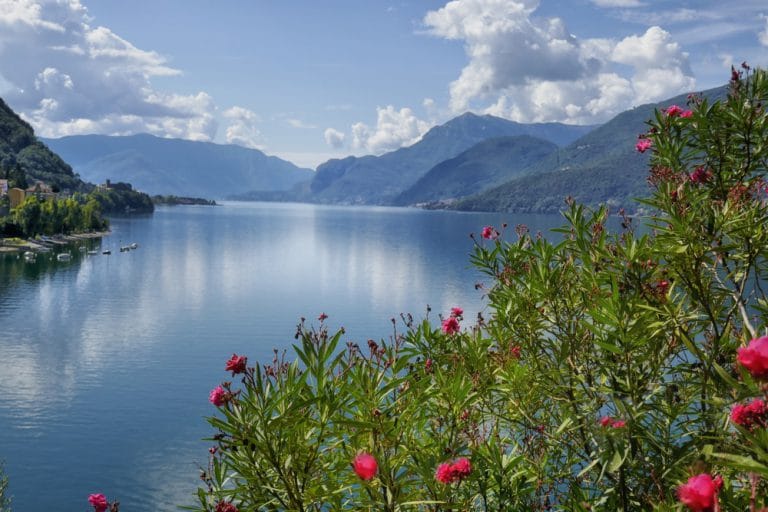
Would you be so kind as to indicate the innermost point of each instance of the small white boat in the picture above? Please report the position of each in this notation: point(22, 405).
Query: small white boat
point(107, 252)
point(93, 253)
point(30, 256)
point(134, 245)
point(64, 256)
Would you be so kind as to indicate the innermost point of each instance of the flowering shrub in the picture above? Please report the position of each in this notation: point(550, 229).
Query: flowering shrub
point(616, 371)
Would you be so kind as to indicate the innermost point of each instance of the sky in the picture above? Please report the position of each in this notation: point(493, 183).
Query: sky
point(307, 80)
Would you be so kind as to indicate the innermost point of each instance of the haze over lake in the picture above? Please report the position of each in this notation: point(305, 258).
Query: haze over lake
point(108, 360)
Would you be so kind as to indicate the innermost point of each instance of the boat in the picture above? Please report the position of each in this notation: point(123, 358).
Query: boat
point(125, 248)
point(30, 256)
point(107, 252)
point(92, 253)
point(134, 245)
point(64, 256)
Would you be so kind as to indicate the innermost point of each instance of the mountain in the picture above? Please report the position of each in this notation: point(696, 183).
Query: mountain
point(24, 158)
point(380, 179)
point(600, 167)
point(175, 166)
point(483, 166)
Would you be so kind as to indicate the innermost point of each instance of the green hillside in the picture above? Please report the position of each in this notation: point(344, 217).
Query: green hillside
point(485, 165)
point(600, 167)
point(24, 159)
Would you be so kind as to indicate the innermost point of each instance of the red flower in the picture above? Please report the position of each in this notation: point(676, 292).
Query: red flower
point(686, 113)
point(489, 233)
point(451, 325)
point(99, 502)
point(456, 312)
point(365, 466)
point(514, 351)
point(673, 111)
point(700, 175)
point(443, 473)
point(643, 145)
point(461, 468)
point(236, 364)
point(605, 421)
point(699, 493)
point(751, 415)
point(754, 357)
point(322, 317)
point(619, 424)
point(453, 472)
point(218, 396)
point(225, 506)
point(428, 366)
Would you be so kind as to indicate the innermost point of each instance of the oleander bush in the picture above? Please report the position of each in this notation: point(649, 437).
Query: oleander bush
point(614, 371)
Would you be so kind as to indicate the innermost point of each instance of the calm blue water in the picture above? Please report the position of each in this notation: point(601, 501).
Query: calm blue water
point(106, 361)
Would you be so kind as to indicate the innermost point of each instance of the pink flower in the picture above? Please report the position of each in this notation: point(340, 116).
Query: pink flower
point(322, 317)
point(365, 466)
point(456, 312)
point(98, 501)
point(489, 233)
point(751, 415)
point(699, 493)
point(453, 472)
point(225, 506)
point(451, 325)
point(700, 175)
point(673, 111)
point(643, 145)
point(443, 473)
point(218, 396)
point(605, 421)
point(686, 113)
point(428, 366)
point(236, 364)
point(461, 468)
point(619, 424)
point(754, 357)
point(514, 351)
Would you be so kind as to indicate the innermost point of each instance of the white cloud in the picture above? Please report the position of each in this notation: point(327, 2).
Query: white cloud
point(394, 129)
point(618, 3)
point(298, 123)
point(762, 36)
point(334, 138)
point(661, 67)
point(529, 68)
point(100, 82)
point(242, 128)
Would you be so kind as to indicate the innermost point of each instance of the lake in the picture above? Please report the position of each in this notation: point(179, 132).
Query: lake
point(106, 362)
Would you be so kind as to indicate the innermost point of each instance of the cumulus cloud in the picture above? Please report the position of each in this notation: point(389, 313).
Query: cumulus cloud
point(529, 68)
point(334, 138)
point(242, 129)
point(298, 123)
point(763, 35)
point(67, 76)
point(394, 129)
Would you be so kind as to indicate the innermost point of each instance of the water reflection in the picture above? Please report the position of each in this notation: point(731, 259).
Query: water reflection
point(107, 360)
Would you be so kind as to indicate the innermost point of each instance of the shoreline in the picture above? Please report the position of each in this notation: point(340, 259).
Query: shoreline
point(39, 245)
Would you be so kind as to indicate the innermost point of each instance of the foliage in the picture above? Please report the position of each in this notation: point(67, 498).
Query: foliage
point(23, 158)
point(604, 379)
point(5, 499)
point(54, 216)
point(120, 198)
point(177, 200)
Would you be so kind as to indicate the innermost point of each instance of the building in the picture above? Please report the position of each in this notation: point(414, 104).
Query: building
point(16, 195)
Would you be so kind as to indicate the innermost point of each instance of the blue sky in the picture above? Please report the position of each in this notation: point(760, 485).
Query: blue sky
point(308, 80)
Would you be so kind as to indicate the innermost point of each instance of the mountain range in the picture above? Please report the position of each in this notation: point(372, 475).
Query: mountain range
point(174, 166)
point(472, 162)
point(382, 179)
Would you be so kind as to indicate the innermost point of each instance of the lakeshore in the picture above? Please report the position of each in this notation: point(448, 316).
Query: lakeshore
point(42, 244)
